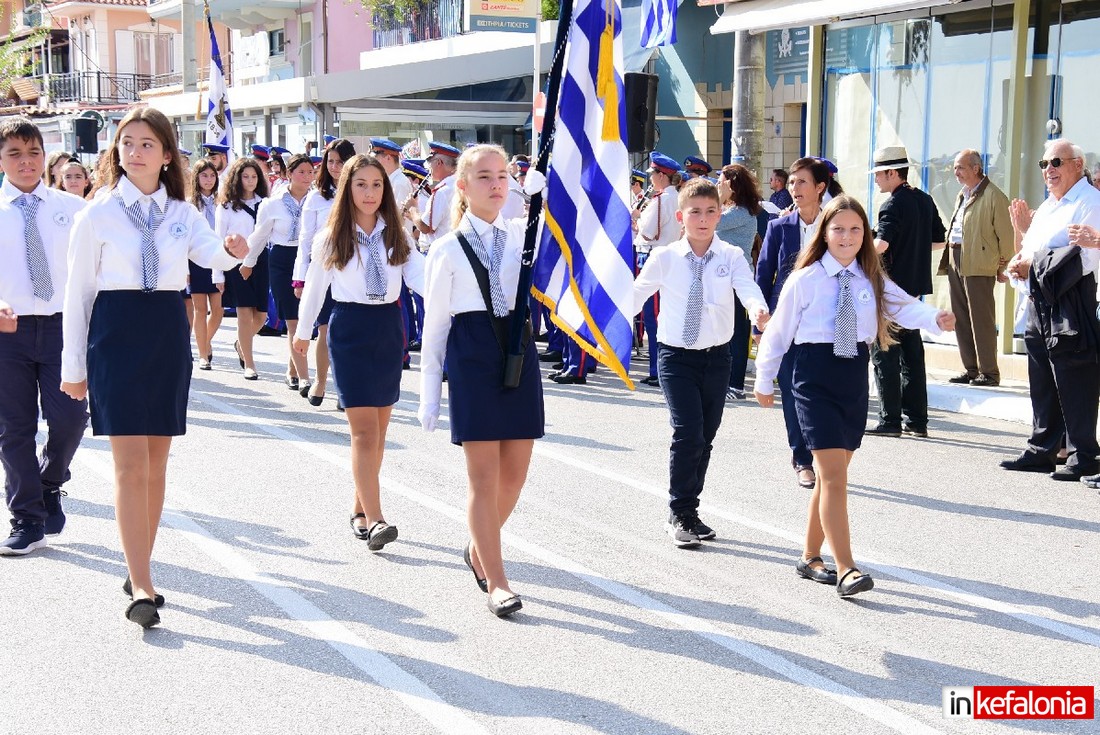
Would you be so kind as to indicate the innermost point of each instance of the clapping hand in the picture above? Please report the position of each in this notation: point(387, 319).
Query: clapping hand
point(1085, 236)
point(1020, 214)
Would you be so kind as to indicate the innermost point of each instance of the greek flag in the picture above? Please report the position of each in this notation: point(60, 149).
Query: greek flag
point(219, 118)
point(583, 272)
point(658, 23)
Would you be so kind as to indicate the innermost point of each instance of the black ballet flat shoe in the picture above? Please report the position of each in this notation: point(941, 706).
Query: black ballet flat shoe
point(143, 612)
point(303, 390)
point(316, 400)
point(129, 590)
point(862, 583)
point(466, 557)
point(240, 355)
point(380, 534)
point(822, 575)
point(359, 531)
point(507, 607)
point(291, 383)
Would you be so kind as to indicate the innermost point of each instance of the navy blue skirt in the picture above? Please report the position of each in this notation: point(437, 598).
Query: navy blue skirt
point(201, 280)
point(250, 294)
point(481, 408)
point(139, 364)
point(280, 265)
point(830, 395)
point(365, 344)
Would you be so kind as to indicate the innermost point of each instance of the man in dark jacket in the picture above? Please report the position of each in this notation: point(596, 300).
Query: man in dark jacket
point(909, 228)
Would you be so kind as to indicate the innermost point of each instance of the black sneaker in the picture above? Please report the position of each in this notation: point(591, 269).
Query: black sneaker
point(55, 515)
point(963, 379)
point(917, 431)
point(25, 537)
point(703, 531)
point(884, 430)
point(681, 529)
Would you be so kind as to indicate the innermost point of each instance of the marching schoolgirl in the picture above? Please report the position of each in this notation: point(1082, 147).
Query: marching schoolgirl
point(496, 426)
point(126, 341)
point(73, 178)
point(244, 188)
point(836, 302)
point(362, 255)
point(315, 212)
point(277, 223)
point(205, 285)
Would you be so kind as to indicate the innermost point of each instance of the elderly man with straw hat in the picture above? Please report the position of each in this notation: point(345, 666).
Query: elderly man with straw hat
point(909, 228)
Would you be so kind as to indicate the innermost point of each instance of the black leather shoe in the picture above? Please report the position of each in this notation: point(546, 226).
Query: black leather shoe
point(963, 379)
point(891, 430)
point(549, 356)
point(240, 355)
point(921, 432)
point(507, 607)
point(984, 381)
point(129, 590)
point(559, 366)
point(380, 534)
point(862, 583)
point(1067, 474)
point(466, 557)
point(821, 574)
point(1028, 462)
point(414, 346)
point(316, 400)
point(291, 383)
point(359, 531)
point(143, 612)
point(303, 389)
point(806, 483)
point(652, 380)
point(568, 379)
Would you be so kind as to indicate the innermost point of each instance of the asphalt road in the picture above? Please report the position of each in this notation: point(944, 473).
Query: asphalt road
point(279, 620)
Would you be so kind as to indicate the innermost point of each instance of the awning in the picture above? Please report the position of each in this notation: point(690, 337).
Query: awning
point(756, 16)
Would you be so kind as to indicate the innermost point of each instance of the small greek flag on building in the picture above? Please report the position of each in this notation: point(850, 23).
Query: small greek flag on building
point(219, 118)
point(658, 23)
point(583, 272)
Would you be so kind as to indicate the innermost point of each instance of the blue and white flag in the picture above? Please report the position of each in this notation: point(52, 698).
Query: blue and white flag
point(219, 118)
point(658, 23)
point(584, 269)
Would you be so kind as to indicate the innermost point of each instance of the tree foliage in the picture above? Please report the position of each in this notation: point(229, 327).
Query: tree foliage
point(15, 54)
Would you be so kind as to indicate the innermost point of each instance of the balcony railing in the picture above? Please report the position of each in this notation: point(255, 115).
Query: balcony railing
point(434, 19)
point(94, 87)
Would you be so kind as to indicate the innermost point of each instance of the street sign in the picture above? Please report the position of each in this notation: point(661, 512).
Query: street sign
point(538, 112)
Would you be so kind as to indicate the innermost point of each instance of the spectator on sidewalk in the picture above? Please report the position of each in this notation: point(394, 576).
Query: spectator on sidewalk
point(980, 244)
point(780, 197)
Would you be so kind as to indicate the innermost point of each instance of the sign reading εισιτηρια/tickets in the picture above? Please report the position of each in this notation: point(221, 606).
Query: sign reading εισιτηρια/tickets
point(510, 16)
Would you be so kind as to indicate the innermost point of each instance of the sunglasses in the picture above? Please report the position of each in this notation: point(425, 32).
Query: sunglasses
point(1054, 162)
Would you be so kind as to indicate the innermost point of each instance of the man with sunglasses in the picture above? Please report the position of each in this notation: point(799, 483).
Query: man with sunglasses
point(1062, 338)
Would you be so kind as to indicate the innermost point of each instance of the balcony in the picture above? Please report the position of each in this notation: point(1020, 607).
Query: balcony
point(434, 20)
point(237, 14)
point(94, 87)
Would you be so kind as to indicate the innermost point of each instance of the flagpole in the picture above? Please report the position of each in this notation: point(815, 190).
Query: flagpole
point(513, 361)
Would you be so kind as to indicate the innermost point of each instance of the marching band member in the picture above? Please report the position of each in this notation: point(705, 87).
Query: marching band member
point(218, 155)
point(443, 160)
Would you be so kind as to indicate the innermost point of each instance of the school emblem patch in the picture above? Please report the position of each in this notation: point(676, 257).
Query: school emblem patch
point(723, 271)
point(178, 230)
point(864, 296)
point(61, 219)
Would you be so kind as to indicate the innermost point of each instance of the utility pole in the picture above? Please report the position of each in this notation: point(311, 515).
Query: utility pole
point(747, 144)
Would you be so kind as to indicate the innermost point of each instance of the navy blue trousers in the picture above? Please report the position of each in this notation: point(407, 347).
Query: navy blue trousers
point(694, 383)
point(30, 363)
point(739, 345)
point(800, 453)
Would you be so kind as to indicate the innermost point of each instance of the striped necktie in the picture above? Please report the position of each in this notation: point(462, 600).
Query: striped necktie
point(294, 207)
point(493, 262)
point(375, 273)
point(37, 264)
point(208, 209)
point(844, 330)
point(694, 313)
point(147, 226)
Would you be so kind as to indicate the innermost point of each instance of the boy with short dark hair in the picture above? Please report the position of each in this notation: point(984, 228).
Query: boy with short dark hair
point(33, 270)
point(698, 277)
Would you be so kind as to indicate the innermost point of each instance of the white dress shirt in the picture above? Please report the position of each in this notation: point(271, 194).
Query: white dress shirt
point(273, 223)
point(450, 288)
point(105, 255)
point(806, 313)
point(438, 213)
point(229, 221)
point(315, 211)
point(955, 235)
point(56, 212)
point(671, 270)
point(401, 185)
point(349, 285)
point(1080, 205)
point(657, 223)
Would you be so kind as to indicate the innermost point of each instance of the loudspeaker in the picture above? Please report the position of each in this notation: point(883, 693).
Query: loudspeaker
point(640, 91)
point(86, 131)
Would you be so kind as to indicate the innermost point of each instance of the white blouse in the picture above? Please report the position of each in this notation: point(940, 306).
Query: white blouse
point(209, 211)
point(273, 224)
point(349, 285)
point(451, 288)
point(105, 255)
point(806, 313)
point(315, 212)
point(229, 221)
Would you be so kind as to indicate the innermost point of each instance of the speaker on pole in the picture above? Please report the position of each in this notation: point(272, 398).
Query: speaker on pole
point(640, 91)
point(86, 131)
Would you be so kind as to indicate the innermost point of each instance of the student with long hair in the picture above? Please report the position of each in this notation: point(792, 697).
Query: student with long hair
point(836, 302)
point(54, 162)
point(495, 426)
point(315, 212)
point(126, 342)
point(205, 285)
point(244, 188)
point(362, 255)
point(277, 224)
point(73, 178)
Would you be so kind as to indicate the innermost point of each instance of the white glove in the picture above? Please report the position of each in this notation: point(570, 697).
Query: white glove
point(534, 183)
point(428, 415)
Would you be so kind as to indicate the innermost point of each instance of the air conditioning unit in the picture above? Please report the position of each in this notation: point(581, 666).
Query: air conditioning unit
point(29, 17)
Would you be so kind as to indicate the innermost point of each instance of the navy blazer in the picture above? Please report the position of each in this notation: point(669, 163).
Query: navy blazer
point(782, 242)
